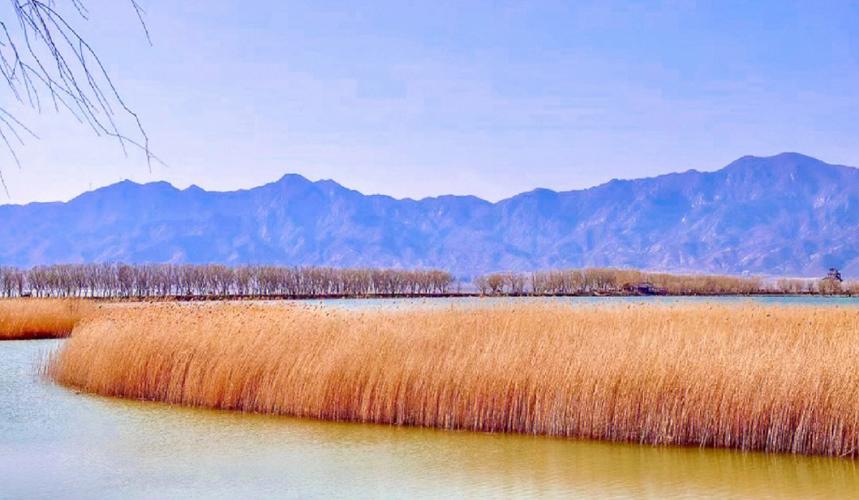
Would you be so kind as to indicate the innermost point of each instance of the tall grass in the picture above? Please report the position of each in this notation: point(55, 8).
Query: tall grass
point(779, 379)
point(22, 319)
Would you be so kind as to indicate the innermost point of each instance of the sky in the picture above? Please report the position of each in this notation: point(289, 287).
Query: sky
point(416, 99)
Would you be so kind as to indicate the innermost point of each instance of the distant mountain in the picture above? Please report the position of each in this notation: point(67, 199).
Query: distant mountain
point(783, 215)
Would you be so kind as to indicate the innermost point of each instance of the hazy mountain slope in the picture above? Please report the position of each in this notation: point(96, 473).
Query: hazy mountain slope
point(787, 214)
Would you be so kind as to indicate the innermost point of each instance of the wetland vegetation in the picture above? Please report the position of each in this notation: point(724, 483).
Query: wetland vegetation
point(743, 376)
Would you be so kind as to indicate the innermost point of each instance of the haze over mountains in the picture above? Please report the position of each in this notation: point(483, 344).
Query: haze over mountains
point(783, 215)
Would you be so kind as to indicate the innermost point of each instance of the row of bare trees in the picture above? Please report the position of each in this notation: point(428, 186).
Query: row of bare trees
point(595, 281)
point(213, 280)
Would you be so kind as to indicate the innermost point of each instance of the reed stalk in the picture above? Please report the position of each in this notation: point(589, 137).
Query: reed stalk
point(750, 377)
point(24, 319)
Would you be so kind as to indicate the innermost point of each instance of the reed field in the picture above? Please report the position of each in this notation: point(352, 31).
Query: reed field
point(750, 377)
point(24, 319)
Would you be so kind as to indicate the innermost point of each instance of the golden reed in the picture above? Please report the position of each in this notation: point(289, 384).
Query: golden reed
point(23, 319)
point(779, 379)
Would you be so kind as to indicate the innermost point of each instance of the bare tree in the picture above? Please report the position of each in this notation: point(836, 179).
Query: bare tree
point(594, 281)
point(46, 63)
point(217, 281)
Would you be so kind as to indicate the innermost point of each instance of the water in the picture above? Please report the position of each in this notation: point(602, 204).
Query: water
point(809, 300)
point(56, 443)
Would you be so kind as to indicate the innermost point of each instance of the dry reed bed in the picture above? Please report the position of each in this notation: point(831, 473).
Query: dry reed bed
point(24, 319)
point(779, 379)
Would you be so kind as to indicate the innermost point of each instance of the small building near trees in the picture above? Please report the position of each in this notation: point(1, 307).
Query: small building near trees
point(834, 275)
point(831, 283)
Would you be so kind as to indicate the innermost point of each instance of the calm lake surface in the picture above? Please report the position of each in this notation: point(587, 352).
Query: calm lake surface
point(56, 443)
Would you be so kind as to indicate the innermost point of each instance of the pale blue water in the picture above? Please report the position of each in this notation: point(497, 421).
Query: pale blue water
point(813, 300)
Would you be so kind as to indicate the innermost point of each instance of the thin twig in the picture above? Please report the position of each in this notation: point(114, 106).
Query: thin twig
point(46, 55)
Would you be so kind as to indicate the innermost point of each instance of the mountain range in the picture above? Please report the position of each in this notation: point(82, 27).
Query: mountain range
point(788, 214)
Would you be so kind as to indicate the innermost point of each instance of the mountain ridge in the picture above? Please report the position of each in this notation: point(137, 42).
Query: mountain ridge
point(788, 214)
point(195, 187)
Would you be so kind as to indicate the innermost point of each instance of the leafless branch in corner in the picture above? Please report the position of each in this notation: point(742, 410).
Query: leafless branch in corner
point(45, 62)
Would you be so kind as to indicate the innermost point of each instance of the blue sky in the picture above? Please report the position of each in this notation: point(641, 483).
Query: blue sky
point(487, 98)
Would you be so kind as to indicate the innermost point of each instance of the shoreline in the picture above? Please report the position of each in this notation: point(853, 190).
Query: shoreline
point(286, 297)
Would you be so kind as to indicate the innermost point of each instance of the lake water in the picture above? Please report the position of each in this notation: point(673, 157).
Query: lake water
point(56, 443)
point(811, 300)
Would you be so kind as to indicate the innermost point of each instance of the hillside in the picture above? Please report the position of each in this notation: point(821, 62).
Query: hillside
point(783, 215)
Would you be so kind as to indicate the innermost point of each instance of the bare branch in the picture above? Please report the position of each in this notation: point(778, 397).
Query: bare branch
point(46, 55)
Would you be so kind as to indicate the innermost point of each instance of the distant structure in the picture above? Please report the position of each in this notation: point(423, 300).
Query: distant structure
point(644, 288)
point(831, 284)
point(834, 275)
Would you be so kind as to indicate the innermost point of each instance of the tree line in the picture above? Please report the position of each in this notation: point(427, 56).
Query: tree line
point(608, 281)
point(214, 280)
point(221, 281)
